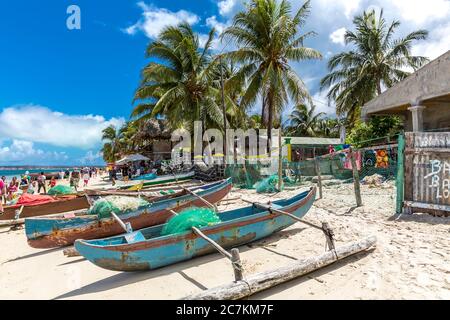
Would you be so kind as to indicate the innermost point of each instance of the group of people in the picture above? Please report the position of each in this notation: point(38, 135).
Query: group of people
point(129, 171)
point(9, 190)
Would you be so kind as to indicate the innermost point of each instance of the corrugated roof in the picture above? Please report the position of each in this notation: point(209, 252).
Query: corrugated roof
point(313, 141)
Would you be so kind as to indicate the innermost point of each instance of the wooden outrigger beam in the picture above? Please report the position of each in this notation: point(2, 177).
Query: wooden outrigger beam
point(233, 256)
point(329, 234)
point(268, 279)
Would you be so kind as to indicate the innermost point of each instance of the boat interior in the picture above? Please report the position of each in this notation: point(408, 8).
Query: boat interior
point(227, 216)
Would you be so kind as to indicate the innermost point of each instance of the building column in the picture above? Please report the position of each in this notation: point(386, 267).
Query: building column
point(417, 117)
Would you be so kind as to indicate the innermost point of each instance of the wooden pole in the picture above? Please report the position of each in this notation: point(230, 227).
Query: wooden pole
point(356, 184)
point(237, 265)
point(400, 181)
point(202, 199)
point(280, 160)
point(319, 177)
point(125, 226)
point(268, 279)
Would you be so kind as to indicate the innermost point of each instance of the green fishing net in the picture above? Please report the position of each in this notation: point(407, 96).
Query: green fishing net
point(117, 204)
point(268, 185)
point(61, 190)
point(188, 218)
point(166, 192)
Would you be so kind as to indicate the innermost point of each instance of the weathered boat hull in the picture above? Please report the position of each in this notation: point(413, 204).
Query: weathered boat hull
point(59, 231)
point(63, 205)
point(133, 252)
point(162, 180)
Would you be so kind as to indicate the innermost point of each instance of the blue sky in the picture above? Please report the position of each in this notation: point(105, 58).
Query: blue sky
point(61, 87)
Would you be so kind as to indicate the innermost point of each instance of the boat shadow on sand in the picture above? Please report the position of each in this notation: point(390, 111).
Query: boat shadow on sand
point(34, 255)
point(127, 278)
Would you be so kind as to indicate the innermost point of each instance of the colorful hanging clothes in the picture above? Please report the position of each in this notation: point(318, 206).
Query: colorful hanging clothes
point(382, 159)
point(348, 162)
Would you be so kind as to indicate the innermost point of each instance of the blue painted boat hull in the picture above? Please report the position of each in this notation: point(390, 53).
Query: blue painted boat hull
point(49, 232)
point(146, 249)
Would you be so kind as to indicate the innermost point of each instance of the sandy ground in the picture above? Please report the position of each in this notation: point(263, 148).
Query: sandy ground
point(411, 261)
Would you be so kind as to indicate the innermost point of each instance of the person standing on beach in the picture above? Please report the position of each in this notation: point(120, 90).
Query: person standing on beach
point(13, 188)
point(75, 179)
point(85, 179)
point(2, 193)
point(52, 182)
point(41, 183)
point(61, 175)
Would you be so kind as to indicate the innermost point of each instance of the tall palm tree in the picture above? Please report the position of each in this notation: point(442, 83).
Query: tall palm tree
point(268, 38)
point(181, 86)
point(303, 121)
point(375, 60)
point(112, 147)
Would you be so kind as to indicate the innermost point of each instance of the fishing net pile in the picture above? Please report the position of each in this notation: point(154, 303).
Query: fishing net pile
point(117, 204)
point(188, 218)
point(61, 190)
point(268, 185)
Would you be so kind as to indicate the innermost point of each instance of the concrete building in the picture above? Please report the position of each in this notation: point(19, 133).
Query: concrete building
point(422, 99)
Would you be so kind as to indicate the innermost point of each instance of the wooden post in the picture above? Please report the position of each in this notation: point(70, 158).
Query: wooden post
point(237, 265)
point(356, 184)
point(268, 279)
point(400, 181)
point(280, 161)
point(319, 176)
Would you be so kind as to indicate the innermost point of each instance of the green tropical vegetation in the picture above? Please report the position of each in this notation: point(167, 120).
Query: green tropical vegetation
point(375, 60)
point(187, 80)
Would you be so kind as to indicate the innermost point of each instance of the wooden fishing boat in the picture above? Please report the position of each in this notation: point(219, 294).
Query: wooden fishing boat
point(170, 178)
point(146, 249)
point(59, 204)
point(62, 230)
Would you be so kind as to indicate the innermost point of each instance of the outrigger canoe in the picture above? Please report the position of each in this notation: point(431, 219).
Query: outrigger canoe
point(48, 205)
point(63, 230)
point(159, 180)
point(146, 249)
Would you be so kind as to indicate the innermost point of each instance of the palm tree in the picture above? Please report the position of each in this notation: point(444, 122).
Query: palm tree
point(182, 86)
point(328, 128)
point(111, 149)
point(268, 38)
point(376, 60)
point(303, 121)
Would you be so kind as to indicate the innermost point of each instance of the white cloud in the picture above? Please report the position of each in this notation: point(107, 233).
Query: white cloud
point(226, 7)
point(349, 6)
point(154, 20)
point(39, 124)
point(212, 22)
point(338, 36)
point(420, 11)
point(438, 43)
point(21, 150)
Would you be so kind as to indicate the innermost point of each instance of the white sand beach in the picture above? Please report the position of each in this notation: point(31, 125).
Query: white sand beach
point(411, 260)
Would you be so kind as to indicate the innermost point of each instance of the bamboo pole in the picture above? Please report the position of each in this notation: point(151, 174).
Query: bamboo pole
point(268, 279)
